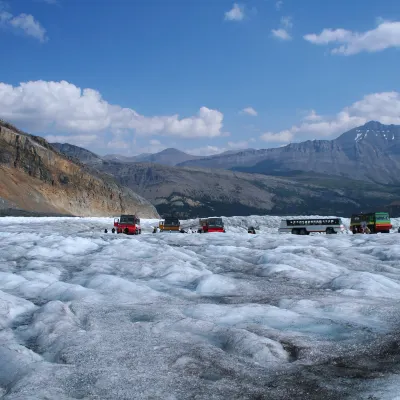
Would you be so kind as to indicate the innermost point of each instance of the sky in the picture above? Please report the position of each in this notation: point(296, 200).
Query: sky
point(130, 77)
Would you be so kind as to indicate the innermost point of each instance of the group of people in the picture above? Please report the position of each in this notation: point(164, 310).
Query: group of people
point(156, 229)
point(362, 228)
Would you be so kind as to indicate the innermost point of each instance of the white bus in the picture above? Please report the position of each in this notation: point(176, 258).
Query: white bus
point(305, 226)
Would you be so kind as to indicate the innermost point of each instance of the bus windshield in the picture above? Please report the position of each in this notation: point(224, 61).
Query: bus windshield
point(215, 222)
point(127, 219)
point(171, 221)
point(382, 216)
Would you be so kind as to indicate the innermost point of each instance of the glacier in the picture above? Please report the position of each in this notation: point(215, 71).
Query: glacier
point(91, 315)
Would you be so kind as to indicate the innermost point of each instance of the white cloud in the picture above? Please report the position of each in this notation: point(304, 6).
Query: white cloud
point(24, 23)
point(250, 111)
point(313, 116)
point(279, 4)
point(283, 32)
point(154, 146)
point(64, 107)
point(118, 144)
point(383, 107)
point(77, 140)
point(236, 13)
point(280, 137)
point(384, 36)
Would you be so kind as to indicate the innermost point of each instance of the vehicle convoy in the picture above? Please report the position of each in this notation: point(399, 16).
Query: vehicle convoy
point(211, 225)
point(370, 223)
point(305, 226)
point(128, 224)
point(169, 224)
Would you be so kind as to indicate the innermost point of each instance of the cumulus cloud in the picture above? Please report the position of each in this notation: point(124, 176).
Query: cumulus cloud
point(236, 13)
point(249, 111)
point(384, 36)
point(383, 107)
point(283, 32)
point(23, 23)
point(63, 107)
point(279, 4)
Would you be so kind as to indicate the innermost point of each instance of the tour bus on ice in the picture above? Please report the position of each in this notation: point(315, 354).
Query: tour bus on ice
point(305, 226)
point(373, 222)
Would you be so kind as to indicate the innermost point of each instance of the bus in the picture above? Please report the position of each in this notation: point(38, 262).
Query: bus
point(170, 224)
point(375, 222)
point(211, 225)
point(305, 226)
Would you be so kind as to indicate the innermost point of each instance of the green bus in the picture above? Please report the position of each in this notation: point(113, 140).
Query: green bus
point(376, 222)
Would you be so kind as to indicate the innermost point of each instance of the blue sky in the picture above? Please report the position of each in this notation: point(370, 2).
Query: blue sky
point(202, 76)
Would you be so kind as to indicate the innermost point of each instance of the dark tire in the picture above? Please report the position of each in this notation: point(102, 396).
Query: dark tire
point(113, 230)
point(303, 232)
point(330, 231)
point(295, 231)
point(126, 231)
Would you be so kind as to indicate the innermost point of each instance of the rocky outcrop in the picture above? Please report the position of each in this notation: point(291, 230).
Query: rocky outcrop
point(35, 177)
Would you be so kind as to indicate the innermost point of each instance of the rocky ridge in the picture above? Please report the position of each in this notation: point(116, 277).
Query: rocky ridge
point(35, 177)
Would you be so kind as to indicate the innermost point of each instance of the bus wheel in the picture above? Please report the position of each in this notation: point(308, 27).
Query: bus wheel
point(303, 232)
point(330, 231)
point(295, 231)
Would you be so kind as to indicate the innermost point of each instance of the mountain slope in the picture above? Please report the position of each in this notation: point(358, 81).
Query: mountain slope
point(79, 153)
point(370, 152)
point(35, 177)
point(119, 158)
point(168, 156)
point(192, 192)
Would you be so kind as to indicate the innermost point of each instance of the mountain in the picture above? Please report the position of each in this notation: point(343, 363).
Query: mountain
point(370, 153)
point(79, 153)
point(119, 158)
point(35, 177)
point(191, 192)
point(168, 156)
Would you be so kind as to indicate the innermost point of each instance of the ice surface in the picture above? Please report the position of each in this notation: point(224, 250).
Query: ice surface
point(84, 314)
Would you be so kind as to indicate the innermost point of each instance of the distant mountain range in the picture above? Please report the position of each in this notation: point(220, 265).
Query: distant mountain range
point(168, 156)
point(370, 152)
point(359, 171)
